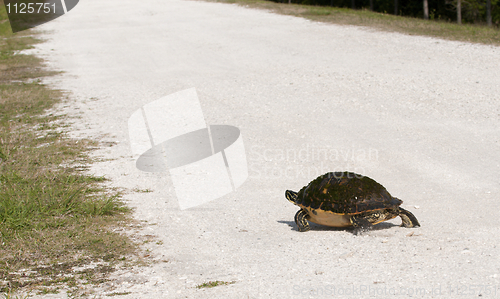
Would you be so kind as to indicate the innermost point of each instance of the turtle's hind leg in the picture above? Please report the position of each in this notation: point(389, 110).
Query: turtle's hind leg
point(360, 224)
point(409, 220)
point(301, 220)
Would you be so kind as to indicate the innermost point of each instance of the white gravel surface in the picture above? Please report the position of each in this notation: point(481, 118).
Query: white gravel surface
point(419, 115)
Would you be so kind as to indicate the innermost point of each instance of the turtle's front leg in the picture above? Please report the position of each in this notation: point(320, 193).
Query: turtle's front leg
point(301, 220)
point(360, 224)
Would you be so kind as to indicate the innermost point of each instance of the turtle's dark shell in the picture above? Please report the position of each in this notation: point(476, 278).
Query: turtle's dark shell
point(345, 193)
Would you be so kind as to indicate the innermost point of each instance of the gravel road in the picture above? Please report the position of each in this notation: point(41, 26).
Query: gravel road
point(419, 115)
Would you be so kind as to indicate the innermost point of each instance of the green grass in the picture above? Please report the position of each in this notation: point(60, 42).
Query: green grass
point(118, 294)
point(212, 284)
point(380, 21)
point(54, 216)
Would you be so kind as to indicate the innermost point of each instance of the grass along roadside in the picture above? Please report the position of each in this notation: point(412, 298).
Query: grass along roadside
point(56, 221)
point(213, 284)
point(380, 21)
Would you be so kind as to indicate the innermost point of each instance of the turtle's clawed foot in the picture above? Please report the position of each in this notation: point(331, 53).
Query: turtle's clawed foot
point(409, 220)
point(303, 228)
point(360, 225)
point(301, 220)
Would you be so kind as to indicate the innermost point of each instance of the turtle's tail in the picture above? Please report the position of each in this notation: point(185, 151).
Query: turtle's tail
point(291, 196)
point(409, 220)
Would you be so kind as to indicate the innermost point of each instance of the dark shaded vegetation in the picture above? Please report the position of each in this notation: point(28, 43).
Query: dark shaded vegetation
point(473, 11)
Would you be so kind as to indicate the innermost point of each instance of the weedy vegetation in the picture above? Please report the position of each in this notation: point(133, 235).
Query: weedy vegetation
point(380, 21)
point(58, 224)
point(212, 284)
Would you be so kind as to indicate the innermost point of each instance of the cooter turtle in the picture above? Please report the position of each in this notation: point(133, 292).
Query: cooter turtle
point(344, 199)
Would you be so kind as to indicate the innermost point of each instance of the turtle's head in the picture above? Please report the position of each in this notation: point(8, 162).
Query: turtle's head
point(291, 196)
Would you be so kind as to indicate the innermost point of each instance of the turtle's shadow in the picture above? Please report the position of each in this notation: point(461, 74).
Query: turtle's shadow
point(318, 227)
